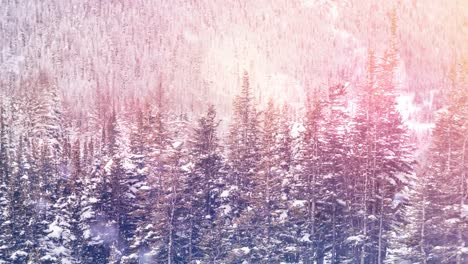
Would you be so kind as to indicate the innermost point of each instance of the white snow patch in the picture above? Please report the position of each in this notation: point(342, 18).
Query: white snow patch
point(177, 144)
point(243, 250)
point(187, 167)
point(283, 216)
point(355, 239)
point(226, 209)
point(55, 231)
point(108, 166)
point(391, 181)
point(17, 254)
point(225, 194)
point(133, 190)
point(299, 203)
point(452, 221)
point(88, 214)
point(130, 196)
point(87, 234)
point(291, 248)
point(403, 177)
point(399, 198)
point(128, 165)
point(145, 188)
point(60, 250)
point(341, 202)
point(464, 211)
point(297, 129)
point(305, 238)
point(405, 105)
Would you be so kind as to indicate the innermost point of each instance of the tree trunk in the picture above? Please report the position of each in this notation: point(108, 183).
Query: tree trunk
point(171, 227)
point(191, 237)
point(333, 257)
point(423, 224)
point(379, 257)
point(364, 220)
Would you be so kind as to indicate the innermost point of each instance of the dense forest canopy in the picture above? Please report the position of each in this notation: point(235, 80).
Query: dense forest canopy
point(200, 48)
point(233, 132)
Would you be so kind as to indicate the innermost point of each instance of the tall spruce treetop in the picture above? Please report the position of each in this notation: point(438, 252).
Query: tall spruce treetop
point(244, 142)
point(285, 140)
point(244, 135)
point(334, 201)
point(205, 183)
point(46, 113)
point(205, 140)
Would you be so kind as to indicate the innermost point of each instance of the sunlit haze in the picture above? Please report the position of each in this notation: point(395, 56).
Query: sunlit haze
point(233, 131)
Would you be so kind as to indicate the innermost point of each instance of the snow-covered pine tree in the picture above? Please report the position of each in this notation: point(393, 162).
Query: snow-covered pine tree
point(42, 121)
point(310, 184)
point(126, 174)
point(288, 245)
point(94, 238)
point(335, 198)
point(393, 154)
point(74, 193)
point(62, 237)
point(59, 241)
point(103, 233)
point(172, 218)
point(362, 132)
point(383, 161)
point(20, 207)
point(205, 184)
point(138, 222)
point(267, 205)
point(244, 156)
point(46, 196)
point(408, 241)
point(446, 217)
point(45, 113)
point(37, 222)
